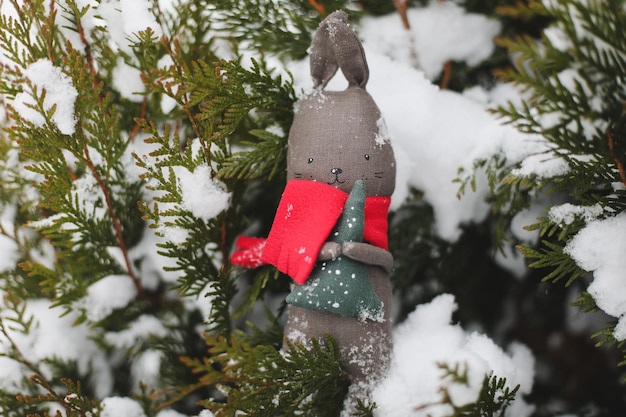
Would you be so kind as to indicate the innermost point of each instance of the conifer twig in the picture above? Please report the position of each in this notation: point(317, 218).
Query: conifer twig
point(401, 7)
point(47, 40)
point(446, 76)
point(620, 165)
point(116, 222)
point(184, 99)
point(142, 114)
point(18, 353)
point(319, 7)
point(37, 376)
point(88, 56)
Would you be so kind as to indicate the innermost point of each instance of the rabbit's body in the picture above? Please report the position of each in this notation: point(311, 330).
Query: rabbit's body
point(337, 138)
point(365, 345)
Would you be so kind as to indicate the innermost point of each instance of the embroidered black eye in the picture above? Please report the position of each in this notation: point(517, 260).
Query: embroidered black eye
point(310, 161)
point(367, 156)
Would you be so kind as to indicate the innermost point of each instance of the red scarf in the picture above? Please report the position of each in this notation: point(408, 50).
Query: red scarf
point(306, 215)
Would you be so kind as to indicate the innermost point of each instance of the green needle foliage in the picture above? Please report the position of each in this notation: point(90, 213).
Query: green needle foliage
point(108, 252)
point(572, 77)
point(262, 381)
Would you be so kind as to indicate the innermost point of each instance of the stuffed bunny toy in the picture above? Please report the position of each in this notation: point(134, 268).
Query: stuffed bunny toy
point(330, 229)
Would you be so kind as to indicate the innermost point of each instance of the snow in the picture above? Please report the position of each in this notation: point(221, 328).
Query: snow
point(468, 37)
point(427, 338)
point(557, 38)
point(543, 165)
point(600, 248)
point(43, 342)
point(141, 328)
point(435, 132)
point(127, 80)
point(146, 369)
point(45, 78)
point(172, 413)
point(123, 19)
point(121, 406)
point(107, 295)
point(565, 214)
point(205, 197)
point(8, 248)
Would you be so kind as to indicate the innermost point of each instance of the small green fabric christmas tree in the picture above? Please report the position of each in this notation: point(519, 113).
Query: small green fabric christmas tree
point(341, 285)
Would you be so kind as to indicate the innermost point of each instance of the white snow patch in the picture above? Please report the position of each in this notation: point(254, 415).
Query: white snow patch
point(203, 196)
point(600, 248)
point(43, 342)
point(557, 38)
point(565, 214)
point(142, 328)
point(427, 338)
point(125, 18)
point(121, 406)
point(146, 369)
point(127, 80)
point(382, 135)
point(170, 413)
point(59, 93)
point(467, 37)
point(543, 165)
point(108, 294)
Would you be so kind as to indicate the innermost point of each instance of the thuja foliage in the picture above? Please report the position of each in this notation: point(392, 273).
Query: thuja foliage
point(118, 285)
point(261, 381)
point(85, 201)
point(573, 80)
point(493, 399)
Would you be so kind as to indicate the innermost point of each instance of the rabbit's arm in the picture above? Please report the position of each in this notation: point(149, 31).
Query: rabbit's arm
point(330, 250)
point(368, 254)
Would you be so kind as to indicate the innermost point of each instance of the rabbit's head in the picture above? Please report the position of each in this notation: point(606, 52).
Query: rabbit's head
point(338, 137)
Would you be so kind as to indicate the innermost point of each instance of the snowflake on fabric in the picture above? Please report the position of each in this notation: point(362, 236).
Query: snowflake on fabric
point(341, 285)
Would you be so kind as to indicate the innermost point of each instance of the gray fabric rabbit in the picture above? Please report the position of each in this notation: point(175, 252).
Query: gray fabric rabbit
point(330, 229)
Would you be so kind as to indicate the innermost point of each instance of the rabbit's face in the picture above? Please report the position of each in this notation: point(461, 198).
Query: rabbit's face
point(338, 138)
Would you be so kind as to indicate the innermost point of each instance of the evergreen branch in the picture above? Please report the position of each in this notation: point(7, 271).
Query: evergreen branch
point(119, 234)
point(265, 160)
point(281, 28)
point(80, 29)
point(18, 306)
point(304, 381)
point(272, 335)
point(620, 165)
point(363, 409)
point(73, 402)
point(41, 29)
point(493, 398)
point(15, 351)
point(553, 257)
point(318, 7)
point(586, 303)
point(262, 381)
point(252, 294)
point(606, 335)
point(20, 30)
point(185, 98)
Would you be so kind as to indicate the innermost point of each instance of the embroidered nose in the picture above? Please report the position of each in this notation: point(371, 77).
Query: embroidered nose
point(336, 171)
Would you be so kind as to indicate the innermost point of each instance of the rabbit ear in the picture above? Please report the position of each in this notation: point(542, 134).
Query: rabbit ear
point(335, 46)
